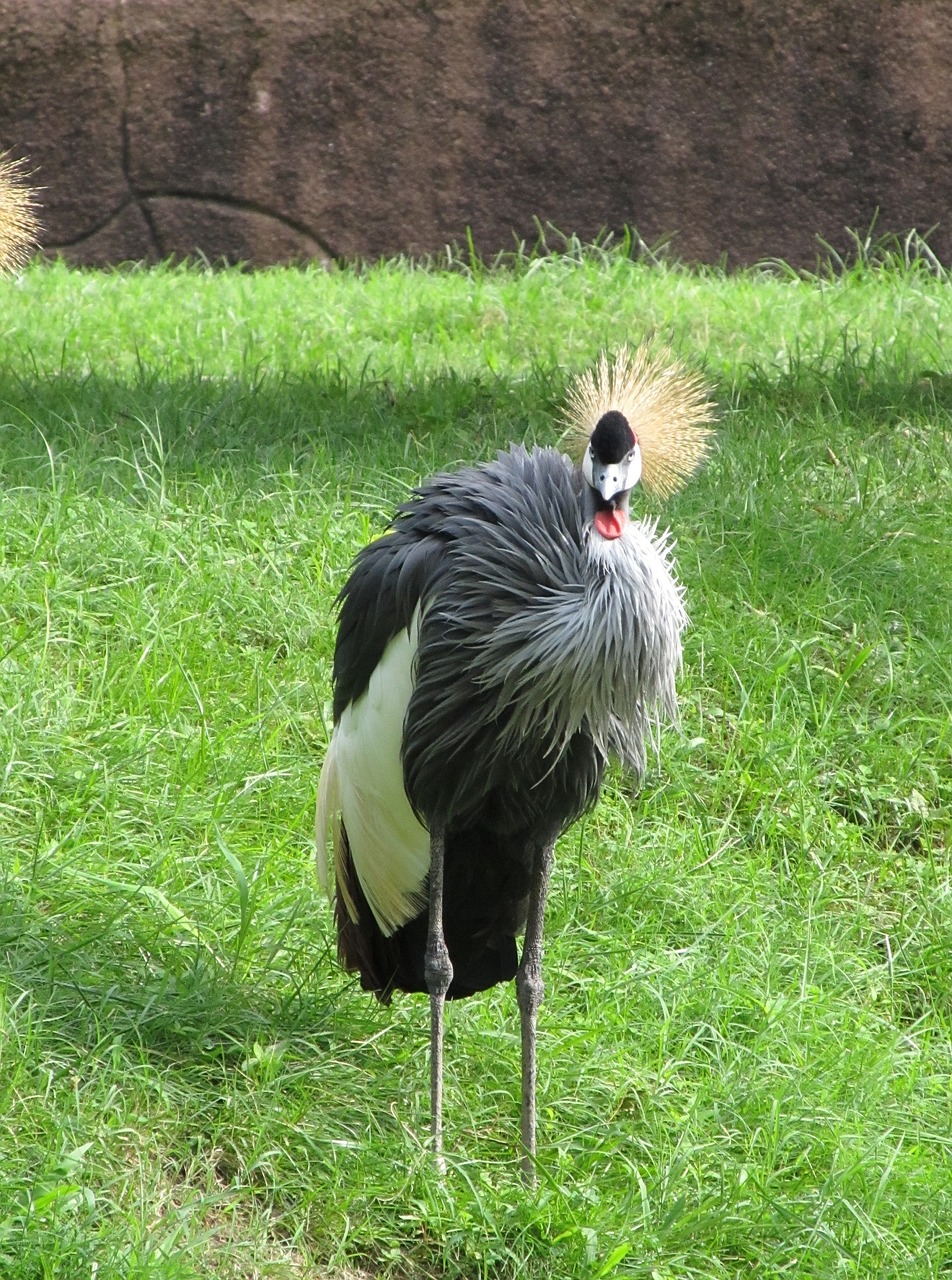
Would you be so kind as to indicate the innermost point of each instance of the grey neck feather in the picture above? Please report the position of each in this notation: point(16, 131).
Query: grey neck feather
point(601, 653)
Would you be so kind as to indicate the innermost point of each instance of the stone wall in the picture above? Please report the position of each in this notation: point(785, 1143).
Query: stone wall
point(328, 128)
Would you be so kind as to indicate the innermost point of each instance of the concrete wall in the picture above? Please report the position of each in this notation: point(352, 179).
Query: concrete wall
point(327, 128)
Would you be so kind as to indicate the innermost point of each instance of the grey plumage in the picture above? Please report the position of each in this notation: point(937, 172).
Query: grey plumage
point(531, 636)
point(19, 227)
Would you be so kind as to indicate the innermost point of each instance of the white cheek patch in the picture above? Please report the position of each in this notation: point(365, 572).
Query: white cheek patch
point(612, 478)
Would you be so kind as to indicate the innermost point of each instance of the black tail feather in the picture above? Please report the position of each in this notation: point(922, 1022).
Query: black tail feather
point(483, 910)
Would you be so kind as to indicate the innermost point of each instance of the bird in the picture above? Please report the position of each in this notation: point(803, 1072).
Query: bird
point(511, 631)
point(18, 223)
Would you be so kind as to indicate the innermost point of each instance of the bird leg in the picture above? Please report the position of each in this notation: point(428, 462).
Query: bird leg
point(438, 971)
point(529, 992)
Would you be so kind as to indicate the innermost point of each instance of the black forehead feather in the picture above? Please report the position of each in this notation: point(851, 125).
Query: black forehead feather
point(612, 439)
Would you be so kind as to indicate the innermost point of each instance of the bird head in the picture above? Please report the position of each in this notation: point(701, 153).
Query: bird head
point(644, 419)
point(611, 467)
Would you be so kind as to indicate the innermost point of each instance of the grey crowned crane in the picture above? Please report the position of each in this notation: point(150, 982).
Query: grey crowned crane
point(511, 631)
point(18, 225)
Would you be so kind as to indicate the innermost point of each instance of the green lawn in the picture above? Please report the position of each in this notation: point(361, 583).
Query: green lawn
point(746, 1044)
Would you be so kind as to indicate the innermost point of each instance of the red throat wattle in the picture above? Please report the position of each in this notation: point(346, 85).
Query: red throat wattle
point(611, 524)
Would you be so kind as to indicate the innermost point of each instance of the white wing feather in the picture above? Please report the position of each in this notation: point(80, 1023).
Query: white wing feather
point(362, 784)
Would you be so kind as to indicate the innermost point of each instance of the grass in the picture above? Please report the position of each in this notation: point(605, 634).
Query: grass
point(747, 1038)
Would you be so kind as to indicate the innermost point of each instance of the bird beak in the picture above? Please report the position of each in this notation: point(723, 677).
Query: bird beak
point(611, 480)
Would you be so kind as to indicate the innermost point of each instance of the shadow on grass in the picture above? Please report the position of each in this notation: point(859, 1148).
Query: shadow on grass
point(265, 422)
point(118, 979)
point(869, 388)
point(268, 420)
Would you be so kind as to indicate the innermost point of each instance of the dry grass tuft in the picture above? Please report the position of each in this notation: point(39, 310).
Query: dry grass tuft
point(19, 226)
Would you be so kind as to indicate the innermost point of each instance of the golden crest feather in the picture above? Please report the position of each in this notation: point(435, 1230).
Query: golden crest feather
point(667, 406)
point(19, 226)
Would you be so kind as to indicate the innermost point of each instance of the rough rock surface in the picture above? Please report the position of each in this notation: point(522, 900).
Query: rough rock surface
point(267, 130)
